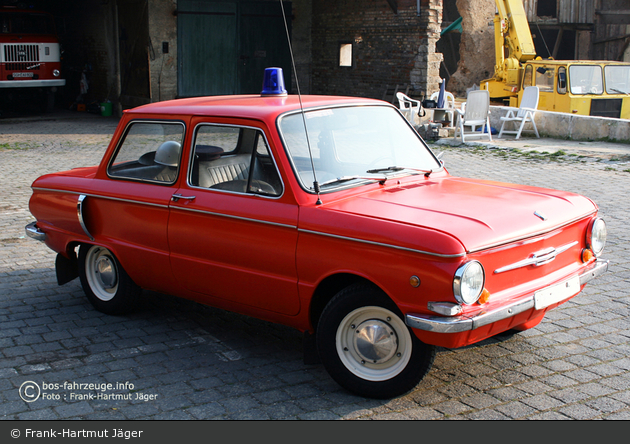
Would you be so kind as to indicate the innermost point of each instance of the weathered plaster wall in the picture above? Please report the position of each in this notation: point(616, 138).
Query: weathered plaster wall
point(163, 28)
point(476, 49)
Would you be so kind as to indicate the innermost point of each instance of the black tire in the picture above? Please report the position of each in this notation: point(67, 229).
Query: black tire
point(105, 283)
point(381, 369)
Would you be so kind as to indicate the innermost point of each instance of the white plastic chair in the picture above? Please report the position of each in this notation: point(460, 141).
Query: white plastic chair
point(408, 106)
point(474, 114)
point(449, 105)
point(524, 114)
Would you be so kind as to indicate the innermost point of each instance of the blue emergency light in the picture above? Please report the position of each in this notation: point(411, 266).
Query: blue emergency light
point(273, 83)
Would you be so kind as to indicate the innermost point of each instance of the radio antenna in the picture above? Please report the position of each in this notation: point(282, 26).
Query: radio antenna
point(297, 85)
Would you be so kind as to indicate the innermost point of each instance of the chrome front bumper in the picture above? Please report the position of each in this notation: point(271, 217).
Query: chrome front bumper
point(456, 324)
point(33, 232)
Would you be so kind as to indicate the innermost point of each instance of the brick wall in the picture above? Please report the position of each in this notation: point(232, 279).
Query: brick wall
point(388, 48)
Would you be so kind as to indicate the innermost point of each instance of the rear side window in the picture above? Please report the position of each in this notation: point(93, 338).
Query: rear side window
point(149, 152)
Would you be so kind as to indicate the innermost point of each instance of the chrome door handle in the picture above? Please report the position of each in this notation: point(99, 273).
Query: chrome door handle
point(177, 196)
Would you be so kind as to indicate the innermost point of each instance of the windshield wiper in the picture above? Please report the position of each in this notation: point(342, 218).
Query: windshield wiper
point(381, 179)
point(399, 168)
point(619, 91)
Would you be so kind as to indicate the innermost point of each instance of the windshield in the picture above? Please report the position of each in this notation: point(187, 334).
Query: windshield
point(26, 23)
point(617, 79)
point(586, 79)
point(353, 144)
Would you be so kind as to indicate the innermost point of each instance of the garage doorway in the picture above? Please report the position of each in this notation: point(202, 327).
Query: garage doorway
point(225, 46)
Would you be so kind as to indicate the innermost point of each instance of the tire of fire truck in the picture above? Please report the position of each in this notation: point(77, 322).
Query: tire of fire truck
point(105, 283)
point(48, 101)
point(366, 347)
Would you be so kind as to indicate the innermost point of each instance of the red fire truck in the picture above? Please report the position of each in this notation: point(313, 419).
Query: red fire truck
point(30, 57)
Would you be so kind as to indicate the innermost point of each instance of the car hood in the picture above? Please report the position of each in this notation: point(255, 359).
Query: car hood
point(479, 214)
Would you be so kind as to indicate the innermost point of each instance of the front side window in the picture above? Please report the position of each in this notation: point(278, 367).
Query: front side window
point(150, 152)
point(544, 78)
point(586, 79)
point(236, 159)
point(617, 79)
point(351, 145)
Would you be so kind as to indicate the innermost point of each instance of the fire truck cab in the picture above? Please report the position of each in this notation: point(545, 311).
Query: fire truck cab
point(30, 57)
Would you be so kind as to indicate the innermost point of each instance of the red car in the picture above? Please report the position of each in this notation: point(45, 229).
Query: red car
point(327, 214)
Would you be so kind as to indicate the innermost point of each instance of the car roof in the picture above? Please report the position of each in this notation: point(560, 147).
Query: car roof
point(247, 106)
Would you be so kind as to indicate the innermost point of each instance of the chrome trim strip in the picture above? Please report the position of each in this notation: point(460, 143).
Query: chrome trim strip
point(458, 324)
point(537, 233)
point(230, 216)
point(380, 244)
point(80, 201)
point(538, 258)
point(172, 207)
point(117, 199)
point(35, 233)
point(439, 324)
point(600, 268)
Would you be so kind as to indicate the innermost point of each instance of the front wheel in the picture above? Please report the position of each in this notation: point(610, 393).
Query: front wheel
point(366, 347)
point(105, 283)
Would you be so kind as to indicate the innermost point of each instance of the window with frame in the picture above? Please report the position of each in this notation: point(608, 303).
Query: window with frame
point(149, 152)
point(527, 76)
point(562, 80)
point(236, 159)
point(345, 54)
point(586, 79)
point(544, 78)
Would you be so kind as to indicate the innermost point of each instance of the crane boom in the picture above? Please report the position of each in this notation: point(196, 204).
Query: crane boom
point(513, 45)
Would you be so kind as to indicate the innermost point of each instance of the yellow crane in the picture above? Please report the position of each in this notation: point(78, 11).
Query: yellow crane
point(587, 87)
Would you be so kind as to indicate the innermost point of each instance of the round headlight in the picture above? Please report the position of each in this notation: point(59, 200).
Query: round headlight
point(468, 282)
point(596, 236)
point(56, 72)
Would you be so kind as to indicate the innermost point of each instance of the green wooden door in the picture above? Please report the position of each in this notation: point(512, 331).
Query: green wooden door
point(263, 43)
point(225, 46)
point(206, 48)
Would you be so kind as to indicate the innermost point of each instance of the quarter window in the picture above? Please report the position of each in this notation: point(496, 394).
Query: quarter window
point(235, 159)
point(150, 151)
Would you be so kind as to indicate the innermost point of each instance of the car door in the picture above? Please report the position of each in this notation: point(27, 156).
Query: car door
point(232, 232)
point(129, 208)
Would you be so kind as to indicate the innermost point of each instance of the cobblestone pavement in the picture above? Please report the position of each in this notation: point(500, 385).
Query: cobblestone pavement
point(187, 361)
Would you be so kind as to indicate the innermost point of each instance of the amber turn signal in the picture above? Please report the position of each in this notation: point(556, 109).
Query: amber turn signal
point(587, 255)
point(485, 295)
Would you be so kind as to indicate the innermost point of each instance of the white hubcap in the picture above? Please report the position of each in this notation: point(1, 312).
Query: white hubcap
point(373, 343)
point(101, 273)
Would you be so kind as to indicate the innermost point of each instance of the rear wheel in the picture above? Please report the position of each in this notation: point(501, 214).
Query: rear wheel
point(106, 284)
point(366, 347)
